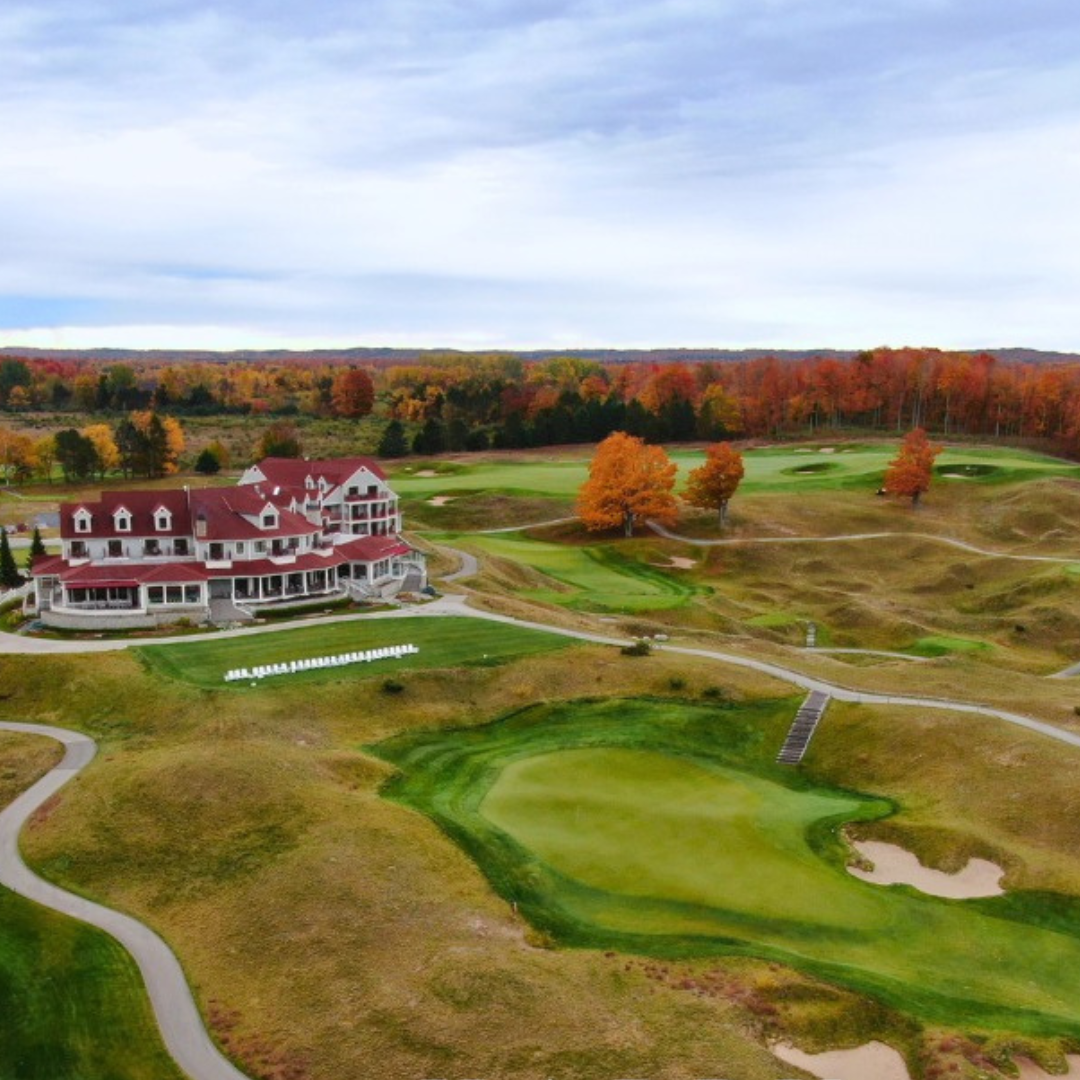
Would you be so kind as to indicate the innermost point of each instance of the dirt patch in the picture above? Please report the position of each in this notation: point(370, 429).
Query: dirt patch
point(874, 1059)
point(440, 500)
point(895, 866)
point(1030, 1071)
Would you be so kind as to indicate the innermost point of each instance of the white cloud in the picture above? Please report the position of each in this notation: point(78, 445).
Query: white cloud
point(678, 173)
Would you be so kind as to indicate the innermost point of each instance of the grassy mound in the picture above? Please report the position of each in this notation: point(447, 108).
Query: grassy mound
point(665, 828)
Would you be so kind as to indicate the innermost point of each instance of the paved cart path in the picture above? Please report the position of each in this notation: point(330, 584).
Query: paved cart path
point(181, 1026)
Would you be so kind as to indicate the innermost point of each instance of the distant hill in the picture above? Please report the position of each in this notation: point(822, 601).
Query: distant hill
point(378, 357)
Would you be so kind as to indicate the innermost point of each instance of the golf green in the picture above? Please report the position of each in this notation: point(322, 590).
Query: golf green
point(666, 828)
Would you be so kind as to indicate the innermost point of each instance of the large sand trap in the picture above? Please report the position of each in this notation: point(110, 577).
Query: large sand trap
point(440, 500)
point(895, 866)
point(1030, 1071)
point(426, 472)
point(874, 1061)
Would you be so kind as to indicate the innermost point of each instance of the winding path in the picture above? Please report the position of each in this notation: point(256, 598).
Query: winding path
point(963, 545)
point(181, 1025)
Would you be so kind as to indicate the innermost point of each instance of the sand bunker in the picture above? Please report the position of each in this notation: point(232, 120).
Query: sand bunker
point(426, 472)
point(440, 500)
point(875, 1059)
point(1030, 1071)
point(677, 562)
point(895, 866)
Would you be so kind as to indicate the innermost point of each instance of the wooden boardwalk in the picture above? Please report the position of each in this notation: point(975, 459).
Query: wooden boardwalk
point(803, 728)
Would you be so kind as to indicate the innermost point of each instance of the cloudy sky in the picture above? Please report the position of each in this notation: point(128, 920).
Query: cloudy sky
point(532, 173)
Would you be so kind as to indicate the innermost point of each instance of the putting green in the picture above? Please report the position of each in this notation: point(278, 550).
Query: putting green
point(667, 828)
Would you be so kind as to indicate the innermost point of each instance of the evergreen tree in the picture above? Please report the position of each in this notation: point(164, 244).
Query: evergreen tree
point(9, 572)
point(207, 462)
point(393, 443)
point(37, 546)
point(431, 438)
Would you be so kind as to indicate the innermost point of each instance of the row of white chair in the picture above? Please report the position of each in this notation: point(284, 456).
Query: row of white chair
point(264, 671)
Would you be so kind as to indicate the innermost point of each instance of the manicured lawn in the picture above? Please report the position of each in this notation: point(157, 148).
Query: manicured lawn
point(666, 828)
point(72, 1002)
point(807, 467)
point(600, 577)
point(942, 645)
point(443, 642)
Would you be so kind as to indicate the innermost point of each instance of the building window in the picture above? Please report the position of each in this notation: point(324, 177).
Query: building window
point(116, 549)
point(192, 594)
point(260, 547)
point(174, 594)
point(82, 521)
point(155, 594)
point(240, 548)
point(122, 521)
point(151, 547)
point(269, 520)
point(78, 549)
point(163, 521)
point(180, 546)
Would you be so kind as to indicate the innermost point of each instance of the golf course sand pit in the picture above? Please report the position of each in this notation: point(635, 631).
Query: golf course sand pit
point(677, 562)
point(427, 474)
point(874, 1061)
point(440, 500)
point(1030, 1071)
point(895, 866)
point(665, 828)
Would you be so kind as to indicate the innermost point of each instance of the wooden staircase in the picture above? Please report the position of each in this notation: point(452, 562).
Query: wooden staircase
point(803, 728)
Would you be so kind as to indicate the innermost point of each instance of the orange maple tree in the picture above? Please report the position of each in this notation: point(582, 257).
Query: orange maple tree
point(628, 482)
point(710, 486)
point(910, 472)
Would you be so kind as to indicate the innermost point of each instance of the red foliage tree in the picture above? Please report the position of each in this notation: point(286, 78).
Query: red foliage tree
point(710, 486)
point(910, 472)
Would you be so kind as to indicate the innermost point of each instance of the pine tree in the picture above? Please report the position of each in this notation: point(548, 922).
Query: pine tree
point(37, 546)
point(10, 577)
point(393, 443)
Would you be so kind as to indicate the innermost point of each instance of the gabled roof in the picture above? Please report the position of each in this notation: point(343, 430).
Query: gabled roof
point(142, 505)
point(372, 548)
point(224, 508)
point(292, 472)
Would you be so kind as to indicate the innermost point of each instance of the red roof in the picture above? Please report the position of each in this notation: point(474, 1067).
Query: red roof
point(128, 574)
point(263, 567)
point(47, 566)
point(292, 472)
point(142, 505)
point(373, 548)
point(223, 510)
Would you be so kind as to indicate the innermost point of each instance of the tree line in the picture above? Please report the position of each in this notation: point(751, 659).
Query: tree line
point(461, 403)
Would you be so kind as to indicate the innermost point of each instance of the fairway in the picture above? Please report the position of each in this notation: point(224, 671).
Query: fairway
point(666, 828)
point(817, 467)
point(599, 577)
point(442, 642)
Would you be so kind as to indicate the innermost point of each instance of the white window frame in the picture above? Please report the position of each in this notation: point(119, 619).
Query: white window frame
point(122, 521)
point(83, 521)
point(162, 520)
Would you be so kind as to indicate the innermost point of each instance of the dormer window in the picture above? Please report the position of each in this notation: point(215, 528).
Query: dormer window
point(83, 520)
point(162, 519)
point(269, 518)
point(122, 520)
point(309, 482)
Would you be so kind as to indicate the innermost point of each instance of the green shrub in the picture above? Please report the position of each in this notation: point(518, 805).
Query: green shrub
point(639, 648)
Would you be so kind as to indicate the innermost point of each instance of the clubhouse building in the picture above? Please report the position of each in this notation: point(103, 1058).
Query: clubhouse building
point(291, 533)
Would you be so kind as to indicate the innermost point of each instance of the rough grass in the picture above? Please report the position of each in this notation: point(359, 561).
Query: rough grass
point(580, 813)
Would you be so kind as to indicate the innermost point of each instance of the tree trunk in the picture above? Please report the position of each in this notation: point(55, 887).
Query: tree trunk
point(628, 524)
point(723, 513)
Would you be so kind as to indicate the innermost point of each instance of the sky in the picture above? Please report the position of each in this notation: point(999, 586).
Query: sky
point(484, 174)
